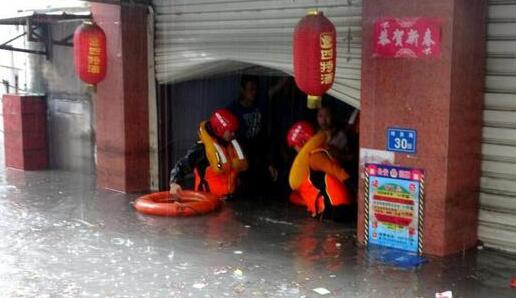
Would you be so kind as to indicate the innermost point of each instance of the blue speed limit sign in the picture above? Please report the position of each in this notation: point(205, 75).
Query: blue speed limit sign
point(401, 140)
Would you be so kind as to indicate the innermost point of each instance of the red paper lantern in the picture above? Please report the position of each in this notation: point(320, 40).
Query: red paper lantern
point(89, 47)
point(315, 53)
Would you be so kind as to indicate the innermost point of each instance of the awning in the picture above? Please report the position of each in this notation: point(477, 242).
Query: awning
point(37, 18)
point(37, 28)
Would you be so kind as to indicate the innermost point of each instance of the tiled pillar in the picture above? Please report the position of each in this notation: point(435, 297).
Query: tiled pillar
point(121, 100)
point(440, 98)
point(25, 131)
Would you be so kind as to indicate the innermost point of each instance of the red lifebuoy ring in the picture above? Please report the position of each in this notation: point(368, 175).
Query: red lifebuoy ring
point(185, 203)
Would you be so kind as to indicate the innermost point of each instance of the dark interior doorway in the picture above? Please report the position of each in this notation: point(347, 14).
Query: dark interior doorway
point(182, 106)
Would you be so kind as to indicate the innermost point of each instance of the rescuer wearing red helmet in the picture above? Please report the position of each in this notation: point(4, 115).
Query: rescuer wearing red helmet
point(215, 160)
point(316, 178)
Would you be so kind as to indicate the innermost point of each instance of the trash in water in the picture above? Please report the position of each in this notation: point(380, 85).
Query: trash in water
point(238, 274)
point(513, 282)
point(199, 285)
point(239, 289)
point(238, 252)
point(221, 271)
point(117, 241)
point(181, 267)
point(129, 243)
point(247, 226)
point(321, 291)
point(84, 222)
point(447, 294)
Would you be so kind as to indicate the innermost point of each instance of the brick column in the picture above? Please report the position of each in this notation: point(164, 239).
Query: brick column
point(121, 100)
point(25, 131)
point(442, 99)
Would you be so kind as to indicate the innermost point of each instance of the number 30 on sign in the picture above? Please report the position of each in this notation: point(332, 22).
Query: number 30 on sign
point(401, 140)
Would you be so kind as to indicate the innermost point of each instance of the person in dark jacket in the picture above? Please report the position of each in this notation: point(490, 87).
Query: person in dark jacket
point(252, 135)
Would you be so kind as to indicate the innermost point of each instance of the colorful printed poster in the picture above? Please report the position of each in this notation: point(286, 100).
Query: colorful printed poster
point(407, 37)
point(394, 206)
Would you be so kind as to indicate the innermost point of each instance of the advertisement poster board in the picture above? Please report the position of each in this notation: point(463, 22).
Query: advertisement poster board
point(394, 207)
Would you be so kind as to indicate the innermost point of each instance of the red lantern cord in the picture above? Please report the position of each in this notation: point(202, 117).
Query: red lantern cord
point(315, 53)
point(90, 53)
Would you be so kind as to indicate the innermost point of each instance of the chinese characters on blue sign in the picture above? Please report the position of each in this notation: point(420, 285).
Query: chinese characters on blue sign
point(393, 199)
point(401, 140)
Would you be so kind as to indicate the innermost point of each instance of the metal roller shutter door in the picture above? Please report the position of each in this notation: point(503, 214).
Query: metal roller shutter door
point(497, 217)
point(198, 38)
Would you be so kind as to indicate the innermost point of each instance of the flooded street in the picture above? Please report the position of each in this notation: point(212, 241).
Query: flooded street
point(62, 238)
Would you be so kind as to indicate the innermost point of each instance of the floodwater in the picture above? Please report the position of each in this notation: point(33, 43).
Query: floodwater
point(62, 238)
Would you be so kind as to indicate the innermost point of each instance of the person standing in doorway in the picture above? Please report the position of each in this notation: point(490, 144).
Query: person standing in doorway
point(252, 137)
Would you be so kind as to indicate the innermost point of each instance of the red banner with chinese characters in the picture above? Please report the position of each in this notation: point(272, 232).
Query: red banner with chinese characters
point(407, 37)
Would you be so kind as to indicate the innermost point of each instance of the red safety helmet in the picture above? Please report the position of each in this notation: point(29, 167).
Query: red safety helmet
point(223, 120)
point(299, 134)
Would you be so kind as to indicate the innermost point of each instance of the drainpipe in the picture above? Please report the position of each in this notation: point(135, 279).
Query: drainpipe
point(16, 89)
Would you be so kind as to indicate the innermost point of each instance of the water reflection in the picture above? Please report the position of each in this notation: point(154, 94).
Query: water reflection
point(61, 237)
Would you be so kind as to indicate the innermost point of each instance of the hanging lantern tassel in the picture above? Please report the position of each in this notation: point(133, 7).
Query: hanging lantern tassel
point(315, 53)
point(90, 53)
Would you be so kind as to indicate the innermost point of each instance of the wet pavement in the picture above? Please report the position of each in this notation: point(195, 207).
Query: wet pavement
point(62, 238)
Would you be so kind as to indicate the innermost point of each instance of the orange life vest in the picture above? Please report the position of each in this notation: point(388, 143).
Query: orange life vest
point(220, 176)
point(219, 183)
point(321, 189)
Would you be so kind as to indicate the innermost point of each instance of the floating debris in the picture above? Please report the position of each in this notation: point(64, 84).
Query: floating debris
point(238, 274)
point(275, 221)
point(221, 271)
point(117, 241)
point(199, 285)
point(239, 289)
point(321, 291)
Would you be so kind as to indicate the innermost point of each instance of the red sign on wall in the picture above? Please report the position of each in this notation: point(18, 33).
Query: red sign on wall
point(407, 37)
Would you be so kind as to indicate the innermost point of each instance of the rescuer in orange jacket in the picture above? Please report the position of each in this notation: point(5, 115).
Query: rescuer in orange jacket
point(215, 160)
point(316, 178)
